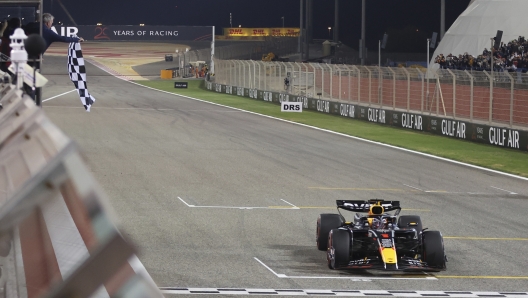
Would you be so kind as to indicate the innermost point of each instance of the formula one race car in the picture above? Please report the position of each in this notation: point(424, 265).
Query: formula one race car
point(379, 240)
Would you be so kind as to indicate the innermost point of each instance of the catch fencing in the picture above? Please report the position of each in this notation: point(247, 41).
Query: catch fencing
point(499, 98)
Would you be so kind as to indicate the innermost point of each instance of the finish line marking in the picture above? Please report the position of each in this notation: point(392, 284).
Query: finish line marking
point(346, 293)
point(293, 207)
point(351, 278)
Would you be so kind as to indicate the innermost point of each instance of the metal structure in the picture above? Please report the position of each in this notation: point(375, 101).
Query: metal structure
point(501, 99)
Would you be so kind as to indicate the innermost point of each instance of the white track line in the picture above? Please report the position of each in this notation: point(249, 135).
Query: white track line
point(336, 133)
point(414, 187)
point(294, 207)
point(511, 192)
point(59, 95)
point(343, 293)
point(244, 207)
point(185, 202)
point(352, 278)
point(271, 270)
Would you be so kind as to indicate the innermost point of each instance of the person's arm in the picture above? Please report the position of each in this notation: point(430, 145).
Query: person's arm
point(51, 37)
point(3, 28)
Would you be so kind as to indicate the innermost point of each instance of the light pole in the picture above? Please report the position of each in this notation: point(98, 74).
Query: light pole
point(427, 75)
point(329, 34)
point(442, 19)
point(363, 43)
point(282, 22)
point(230, 20)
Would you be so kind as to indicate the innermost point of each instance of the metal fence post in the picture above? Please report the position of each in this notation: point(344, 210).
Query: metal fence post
point(340, 78)
point(306, 79)
point(422, 76)
point(471, 94)
point(370, 86)
point(393, 88)
point(408, 89)
point(512, 88)
point(322, 81)
point(358, 83)
point(454, 92)
point(331, 80)
point(349, 84)
point(491, 97)
point(437, 95)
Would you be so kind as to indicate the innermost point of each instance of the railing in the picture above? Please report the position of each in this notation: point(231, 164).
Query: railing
point(500, 98)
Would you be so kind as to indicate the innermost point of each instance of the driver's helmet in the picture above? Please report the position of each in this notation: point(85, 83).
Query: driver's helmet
point(376, 223)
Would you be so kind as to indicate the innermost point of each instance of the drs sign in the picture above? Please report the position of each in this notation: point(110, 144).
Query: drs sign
point(291, 107)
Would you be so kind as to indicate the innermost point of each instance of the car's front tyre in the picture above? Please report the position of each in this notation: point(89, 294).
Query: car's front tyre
point(325, 223)
point(338, 252)
point(433, 250)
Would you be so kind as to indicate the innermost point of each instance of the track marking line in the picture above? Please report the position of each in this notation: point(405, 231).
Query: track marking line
point(291, 207)
point(294, 207)
point(415, 187)
point(352, 278)
point(511, 192)
point(185, 202)
point(345, 293)
point(485, 238)
point(482, 277)
point(271, 270)
point(59, 95)
point(359, 189)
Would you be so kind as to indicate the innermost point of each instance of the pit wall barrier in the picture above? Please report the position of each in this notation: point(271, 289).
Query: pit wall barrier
point(480, 133)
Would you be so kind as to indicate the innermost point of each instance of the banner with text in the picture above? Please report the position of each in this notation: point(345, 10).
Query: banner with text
point(261, 32)
point(138, 33)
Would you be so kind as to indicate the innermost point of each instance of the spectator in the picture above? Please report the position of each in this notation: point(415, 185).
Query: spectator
point(508, 57)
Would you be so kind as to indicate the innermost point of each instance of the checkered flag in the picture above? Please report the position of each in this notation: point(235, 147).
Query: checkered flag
point(77, 72)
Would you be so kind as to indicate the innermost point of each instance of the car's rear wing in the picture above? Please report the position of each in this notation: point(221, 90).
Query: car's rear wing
point(364, 206)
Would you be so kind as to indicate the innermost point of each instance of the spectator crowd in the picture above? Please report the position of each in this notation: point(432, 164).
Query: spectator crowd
point(510, 57)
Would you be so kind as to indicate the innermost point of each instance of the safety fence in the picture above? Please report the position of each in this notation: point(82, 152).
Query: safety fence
point(498, 98)
point(57, 238)
point(439, 125)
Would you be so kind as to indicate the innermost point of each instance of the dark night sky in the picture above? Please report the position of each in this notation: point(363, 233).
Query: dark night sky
point(382, 15)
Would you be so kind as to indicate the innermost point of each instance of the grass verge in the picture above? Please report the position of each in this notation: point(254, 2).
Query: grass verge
point(501, 159)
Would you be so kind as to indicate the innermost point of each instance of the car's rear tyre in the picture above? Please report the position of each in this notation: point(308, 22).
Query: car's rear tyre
point(433, 249)
point(405, 221)
point(338, 253)
point(325, 223)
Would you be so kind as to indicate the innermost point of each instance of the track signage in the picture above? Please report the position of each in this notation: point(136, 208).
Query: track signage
point(287, 106)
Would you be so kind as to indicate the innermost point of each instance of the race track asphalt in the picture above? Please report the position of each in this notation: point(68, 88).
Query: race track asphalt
point(205, 193)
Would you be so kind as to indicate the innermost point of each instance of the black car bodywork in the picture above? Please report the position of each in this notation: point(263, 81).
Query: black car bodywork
point(378, 239)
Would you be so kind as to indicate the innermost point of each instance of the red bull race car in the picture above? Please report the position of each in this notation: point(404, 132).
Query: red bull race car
point(377, 239)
